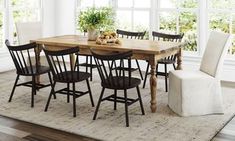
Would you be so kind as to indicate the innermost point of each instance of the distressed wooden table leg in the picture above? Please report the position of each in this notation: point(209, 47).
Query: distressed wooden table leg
point(153, 84)
point(179, 59)
point(72, 60)
point(38, 51)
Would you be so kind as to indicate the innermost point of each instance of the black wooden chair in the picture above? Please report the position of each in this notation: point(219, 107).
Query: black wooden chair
point(117, 79)
point(132, 35)
point(26, 64)
point(166, 61)
point(67, 73)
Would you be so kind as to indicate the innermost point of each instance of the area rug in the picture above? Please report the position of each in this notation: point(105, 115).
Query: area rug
point(163, 125)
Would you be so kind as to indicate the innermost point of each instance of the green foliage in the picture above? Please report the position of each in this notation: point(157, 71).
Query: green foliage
point(188, 26)
point(219, 22)
point(189, 3)
point(97, 18)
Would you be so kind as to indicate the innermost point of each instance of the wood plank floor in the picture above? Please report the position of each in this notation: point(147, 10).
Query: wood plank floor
point(15, 130)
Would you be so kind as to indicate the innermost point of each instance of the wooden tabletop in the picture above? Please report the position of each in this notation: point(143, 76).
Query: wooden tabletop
point(143, 46)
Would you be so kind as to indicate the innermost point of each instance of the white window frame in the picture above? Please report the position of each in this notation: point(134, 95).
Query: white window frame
point(178, 11)
point(133, 9)
point(8, 22)
point(230, 13)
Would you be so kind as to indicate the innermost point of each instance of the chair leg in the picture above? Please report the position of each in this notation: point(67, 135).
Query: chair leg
point(86, 64)
point(34, 89)
point(91, 67)
point(137, 63)
point(126, 108)
point(174, 66)
point(89, 89)
point(13, 89)
point(146, 74)
point(74, 101)
point(51, 83)
point(98, 104)
point(49, 98)
point(115, 99)
point(166, 75)
point(68, 93)
point(140, 100)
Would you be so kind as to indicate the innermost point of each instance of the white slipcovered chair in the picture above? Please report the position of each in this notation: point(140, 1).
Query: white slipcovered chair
point(193, 93)
point(27, 31)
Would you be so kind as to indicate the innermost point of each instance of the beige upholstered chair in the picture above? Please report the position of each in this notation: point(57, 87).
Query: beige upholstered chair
point(194, 93)
point(28, 31)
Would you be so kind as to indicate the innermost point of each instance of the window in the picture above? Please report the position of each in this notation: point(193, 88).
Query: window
point(177, 17)
point(221, 17)
point(24, 11)
point(133, 15)
point(191, 17)
point(13, 11)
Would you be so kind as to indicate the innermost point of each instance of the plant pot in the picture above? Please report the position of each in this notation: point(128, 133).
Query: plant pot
point(92, 34)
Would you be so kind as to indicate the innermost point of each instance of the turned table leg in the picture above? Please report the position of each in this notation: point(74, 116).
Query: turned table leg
point(73, 60)
point(153, 85)
point(179, 59)
point(38, 61)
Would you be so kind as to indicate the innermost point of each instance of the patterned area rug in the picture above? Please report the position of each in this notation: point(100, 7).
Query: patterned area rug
point(163, 125)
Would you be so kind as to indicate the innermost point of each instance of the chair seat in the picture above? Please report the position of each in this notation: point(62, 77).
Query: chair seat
point(88, 65)
point(70, 76)
point(126, 68)
point(36, 70)
point(166, 61)
point(119, 84)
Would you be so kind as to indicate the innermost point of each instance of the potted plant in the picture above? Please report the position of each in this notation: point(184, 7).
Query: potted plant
point(93, 20)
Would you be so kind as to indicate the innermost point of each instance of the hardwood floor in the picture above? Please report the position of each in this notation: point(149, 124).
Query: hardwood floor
point(15, 130)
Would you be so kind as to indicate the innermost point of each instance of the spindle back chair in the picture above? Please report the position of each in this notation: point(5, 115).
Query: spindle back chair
point(117, 79)
point(26, 63)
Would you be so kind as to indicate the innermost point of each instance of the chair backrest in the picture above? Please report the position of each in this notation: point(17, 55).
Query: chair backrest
point(111, 68)
point(57, 61)
point(168, 37)
point(130, 35)
point(21, 54)
point(217, 47)
point(28, 31)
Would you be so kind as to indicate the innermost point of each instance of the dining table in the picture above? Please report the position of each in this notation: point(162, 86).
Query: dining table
point(148, 50)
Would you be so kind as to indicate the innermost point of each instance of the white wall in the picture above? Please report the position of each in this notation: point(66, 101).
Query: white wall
point(64, 17)
point(48, 17)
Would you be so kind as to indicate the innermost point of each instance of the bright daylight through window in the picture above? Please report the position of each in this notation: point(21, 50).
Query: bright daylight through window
point(172, 16)
point(222, 18)
point(17, 11)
